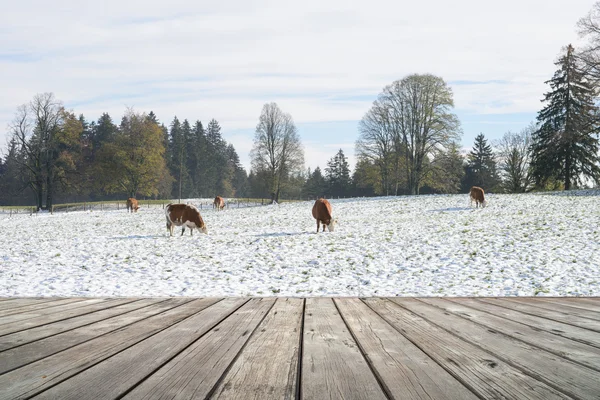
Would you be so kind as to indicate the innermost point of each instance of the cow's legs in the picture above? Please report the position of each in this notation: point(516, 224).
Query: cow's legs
point(182, 231)
point(318, 225)
point(191, 231)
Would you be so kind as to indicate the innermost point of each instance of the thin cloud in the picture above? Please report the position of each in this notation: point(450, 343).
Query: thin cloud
point(320, 62)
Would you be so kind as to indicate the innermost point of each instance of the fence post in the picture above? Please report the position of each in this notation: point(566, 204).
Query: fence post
point(52, 209)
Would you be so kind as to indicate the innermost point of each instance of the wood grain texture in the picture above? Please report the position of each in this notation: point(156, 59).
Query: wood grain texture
point(53, 314)
point(563, 375)
point(406, 372)
point(195, 372)
point(36, 377)
point(485, 375)
point(591, 304)
point(12, 302)
point(38, 305)
point(332, 364)
point(559, 345)
point(558, 328)
point(30, 335)
point(267, 368)
point(557, 306)
point(115, 376)
point(38, 349)
point(545, 313)
point(277, 348)
point(63, 306)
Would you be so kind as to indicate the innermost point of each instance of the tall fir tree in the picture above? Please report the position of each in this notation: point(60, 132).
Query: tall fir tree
point(316, 185)
point(565, 145)
point(481, 166)
point(337, 174)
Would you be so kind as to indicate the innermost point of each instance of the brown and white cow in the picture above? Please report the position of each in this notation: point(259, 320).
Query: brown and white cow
point(322, 213)
point(132, 205)
point(184, 215)
point(478, 196)
point(219, 203)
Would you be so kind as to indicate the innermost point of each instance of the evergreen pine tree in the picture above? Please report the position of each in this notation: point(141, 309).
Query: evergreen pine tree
point(315, 185)
point(217, 158)
point(337, 174)
point(481, 167)
point(565, 146)
point(176, 157)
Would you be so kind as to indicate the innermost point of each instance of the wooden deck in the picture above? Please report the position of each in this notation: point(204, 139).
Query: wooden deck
point(292, 348)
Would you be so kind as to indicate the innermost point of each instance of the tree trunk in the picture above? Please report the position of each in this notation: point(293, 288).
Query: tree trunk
point(49, 192)
point(568, 173)
point(39, 194)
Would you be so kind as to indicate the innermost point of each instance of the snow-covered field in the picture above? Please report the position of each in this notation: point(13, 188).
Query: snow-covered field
point(533, 244)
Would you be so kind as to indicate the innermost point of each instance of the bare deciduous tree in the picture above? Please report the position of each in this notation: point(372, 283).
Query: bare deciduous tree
point(589, 27)
point(35, 127)
point(412, 120)
point(514, 155)
point(376, 142)
point(277, 149)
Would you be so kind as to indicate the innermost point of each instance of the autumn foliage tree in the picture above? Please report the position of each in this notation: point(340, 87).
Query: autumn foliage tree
point(134, 163)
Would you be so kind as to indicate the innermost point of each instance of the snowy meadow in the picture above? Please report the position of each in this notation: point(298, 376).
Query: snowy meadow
point(520, 245)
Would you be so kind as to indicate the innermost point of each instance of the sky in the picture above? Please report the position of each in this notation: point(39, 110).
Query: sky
point(323, 62)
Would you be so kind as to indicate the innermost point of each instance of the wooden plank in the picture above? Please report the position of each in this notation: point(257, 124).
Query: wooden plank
point(37, 306)
point(18, 322)
point(548, 314)
point(485, 375)
point(116, 375)
point(566, 376)
point(332, 364)
point(563, 347)
point(567, 310)
point(13, 302)
point(23, 355)
point(267, 368)
point(404, 370)
point(198, 369)
point(577, 302)
point(36, 377)
point(594, 300)
point(31, 335)
point(536, 323)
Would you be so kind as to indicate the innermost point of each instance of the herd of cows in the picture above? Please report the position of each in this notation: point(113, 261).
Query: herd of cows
point(187, 215)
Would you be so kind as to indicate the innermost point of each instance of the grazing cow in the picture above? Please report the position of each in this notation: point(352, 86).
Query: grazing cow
point(184, 215)
point(132, 205)
point(478, 196)
point(322, 213)
point(219, 203)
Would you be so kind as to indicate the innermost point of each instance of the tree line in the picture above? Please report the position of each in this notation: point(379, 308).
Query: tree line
point(408, 143)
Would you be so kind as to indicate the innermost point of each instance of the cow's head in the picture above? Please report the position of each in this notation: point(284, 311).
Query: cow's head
point(204, 230)
point(484, 203)
point(332, 224)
